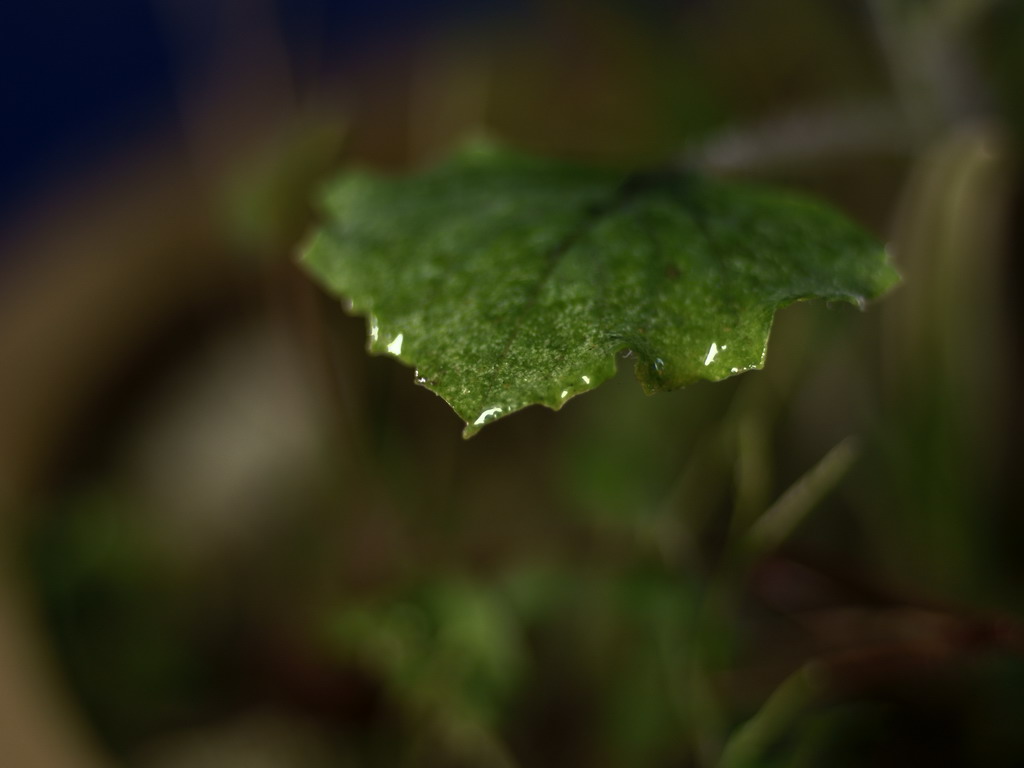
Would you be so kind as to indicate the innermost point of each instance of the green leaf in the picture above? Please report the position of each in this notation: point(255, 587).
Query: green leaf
point(507, 280)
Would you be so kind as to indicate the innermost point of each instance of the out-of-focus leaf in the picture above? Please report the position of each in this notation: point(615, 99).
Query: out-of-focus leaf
point(451, 645)
point(508, 280)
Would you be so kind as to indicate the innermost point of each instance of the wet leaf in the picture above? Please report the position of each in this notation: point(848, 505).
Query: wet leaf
point(507, 280)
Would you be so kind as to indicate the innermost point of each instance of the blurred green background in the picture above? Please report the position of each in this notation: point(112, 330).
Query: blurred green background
point(231, 538)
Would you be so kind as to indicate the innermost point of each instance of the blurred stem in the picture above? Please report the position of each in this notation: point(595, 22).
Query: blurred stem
point(945, 359)
point(473, 742)
point(708, 716)
point(740, 442)
point(752, 470)
point(749, 743)
point(743, 432)
point(782, 518)
point(699, 486)
point(804, 137)
point(745, 546)
point(706, 710)
point(906, 642)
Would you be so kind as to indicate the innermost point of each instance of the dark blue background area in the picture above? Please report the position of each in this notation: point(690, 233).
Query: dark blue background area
point(80, 79)
point(77, 78)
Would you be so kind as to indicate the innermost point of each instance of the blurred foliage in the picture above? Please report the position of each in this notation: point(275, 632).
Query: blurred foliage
point(251, 544)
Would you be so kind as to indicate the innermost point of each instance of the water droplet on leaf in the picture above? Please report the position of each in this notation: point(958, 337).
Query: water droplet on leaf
point(487, 415)
point(712, 354)
point(395, 347)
